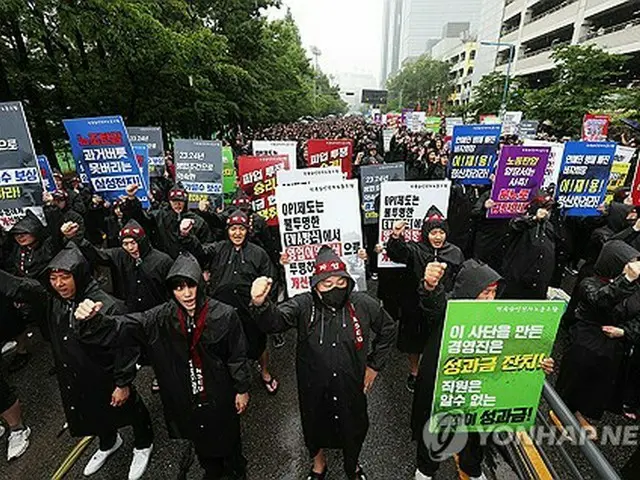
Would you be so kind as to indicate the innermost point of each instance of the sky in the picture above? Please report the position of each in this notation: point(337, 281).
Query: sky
point(347, 32)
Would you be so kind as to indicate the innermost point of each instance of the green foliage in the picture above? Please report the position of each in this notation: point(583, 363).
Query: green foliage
point(193, 67)
point(419, 82)
point(489, 92)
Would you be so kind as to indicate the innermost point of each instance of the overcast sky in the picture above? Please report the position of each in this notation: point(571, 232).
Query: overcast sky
point(348, 32)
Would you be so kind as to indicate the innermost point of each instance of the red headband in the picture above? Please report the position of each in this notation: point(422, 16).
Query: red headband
point(237, 220)
point(133, 232)
point(179, 195)
point(329, 267)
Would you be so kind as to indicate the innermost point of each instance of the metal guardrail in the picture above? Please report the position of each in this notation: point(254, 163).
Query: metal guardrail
point(605, 31)
point(591, 452)
point(550, 11)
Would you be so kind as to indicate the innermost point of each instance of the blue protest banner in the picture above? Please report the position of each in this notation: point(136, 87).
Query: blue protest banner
point(474, 150)
point(584, 175)
point(142, 157)
point(199, 169)
point(46, 173)
point(103, 148)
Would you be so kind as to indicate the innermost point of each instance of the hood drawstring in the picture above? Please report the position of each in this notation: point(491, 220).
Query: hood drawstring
point(322, 327)
point(72, 318)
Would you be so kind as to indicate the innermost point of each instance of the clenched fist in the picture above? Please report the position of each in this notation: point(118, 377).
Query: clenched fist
point(69, 229)
point(186, 225)
point(203, 205)
point(398, 229)
point(260, 290)
point(132, 189)
point(87, 310)
point(433, 274)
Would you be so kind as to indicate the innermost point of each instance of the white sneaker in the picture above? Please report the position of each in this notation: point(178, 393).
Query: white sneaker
point(139, 462)
point(18, 443)
point(422, 476)
point(98, 459)
point(7, 347)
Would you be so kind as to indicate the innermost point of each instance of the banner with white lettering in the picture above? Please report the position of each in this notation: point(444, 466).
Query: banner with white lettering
point(199, 169)
point(152, 138)
point(309, 175)
point(408, 202)
point(20, 183)
point(311, 216)
point(371, 177)
point(272, 148)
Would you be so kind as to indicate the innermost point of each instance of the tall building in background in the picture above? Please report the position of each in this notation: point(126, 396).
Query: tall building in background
point(487, 30)
point(391, 30)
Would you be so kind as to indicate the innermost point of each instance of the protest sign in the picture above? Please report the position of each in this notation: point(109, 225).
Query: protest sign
point(228, 175)
point(451, 122)
point(519, 176)
point(595, 128)
point(511, 123)
point(371, 177)
point(432, 124)
point(101, 145)
point(48, 182)
point(199, 169)
point(408, 202)
point(405, 117)
point(308, 217)
point(387, 135)
point(142, 157)
point(489, 119)
point(528, 129)
point(473, 153)
point(263, 148)
point(257, 177)
point(20, 182)
point(309, 175)
point(624, 154)
point(553, 164)
point(489, 373)
point(584, 175)
point(415, 121)
point(152, 138)
point(330, 153)
point(617, 179)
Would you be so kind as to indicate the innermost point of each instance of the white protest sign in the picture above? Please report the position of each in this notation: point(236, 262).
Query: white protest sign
point(552, 172)
point(277, 147)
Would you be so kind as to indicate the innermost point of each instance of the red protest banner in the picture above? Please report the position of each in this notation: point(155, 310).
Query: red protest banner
point(330, 153)
point(257, 177)
point(595, 127)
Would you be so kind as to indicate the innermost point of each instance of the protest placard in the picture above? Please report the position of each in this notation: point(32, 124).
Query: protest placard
point(152, 138)
point(20, 182)
point(408, 202)
point(101, 145)
point(511, 123)
point(489, 119)
point(330, 153)
point(308, 220)
point(229, 180)
point(518, 178)
point(584, 175)
point(595, 127)
point(371, 177)
point(416, 121)
point(405, 117)
point(257, 178)
point(48, 183)
point(553, 164)
point(489, 373)
point(141, 152)
point(387, 135)
point(199, 169)
point(309, 175)
point(451, 122)
point(617, 179)
point(474, 150)
point(432, 124)
point(271, 148)
point(528, 129)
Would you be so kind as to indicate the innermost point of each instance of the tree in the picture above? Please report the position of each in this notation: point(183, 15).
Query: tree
point(489, 93)
point(585, 79)
point(419, 82)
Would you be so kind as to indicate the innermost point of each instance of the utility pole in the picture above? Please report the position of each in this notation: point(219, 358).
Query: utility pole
point(315, 51)
point(505, 92)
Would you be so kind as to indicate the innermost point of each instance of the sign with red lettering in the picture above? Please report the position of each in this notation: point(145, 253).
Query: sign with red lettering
point(257, 177)
point(330, 153)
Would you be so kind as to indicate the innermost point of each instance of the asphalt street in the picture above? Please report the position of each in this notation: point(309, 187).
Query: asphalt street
point(272, 434)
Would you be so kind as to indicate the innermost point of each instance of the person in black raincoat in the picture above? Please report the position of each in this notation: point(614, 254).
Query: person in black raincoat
point(461, 224)
point(530, 259)
point(58, 211)
point(29, 253)
point(475, 280)
point(334, 368)
point(491, 235)
point(590, 366)
point(234, 264)
point(165, 222)
point(198, 351)
point(95, 382)
point(414, 331)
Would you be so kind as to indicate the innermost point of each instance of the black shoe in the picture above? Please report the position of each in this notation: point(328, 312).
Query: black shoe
point(411, 383)
point(317, 476)
point(360, 475)
point(20, 360)
point(278, 340)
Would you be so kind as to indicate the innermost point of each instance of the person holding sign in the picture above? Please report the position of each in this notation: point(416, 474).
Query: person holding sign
point(198, 352)
point(414, 331)
point(234, 264)
point(590, 367)
point(334, 367)
point(475, 280)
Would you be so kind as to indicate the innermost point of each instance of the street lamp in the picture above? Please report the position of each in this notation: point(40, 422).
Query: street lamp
point(505, 93)
point(315, 51)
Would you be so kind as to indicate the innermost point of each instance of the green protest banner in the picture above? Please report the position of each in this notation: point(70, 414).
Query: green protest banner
point(432, 124)
point(489, 373)
point(228, 175)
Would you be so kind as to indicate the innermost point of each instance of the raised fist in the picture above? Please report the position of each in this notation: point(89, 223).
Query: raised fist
point(433, 273)
point(186, 225)
point(399, 228)
point(132, 189)
point(260, 290)
point(87, 310)
point(203, 205)
point(69, 229)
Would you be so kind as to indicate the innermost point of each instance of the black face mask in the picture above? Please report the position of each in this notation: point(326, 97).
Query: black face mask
point(335, 298)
